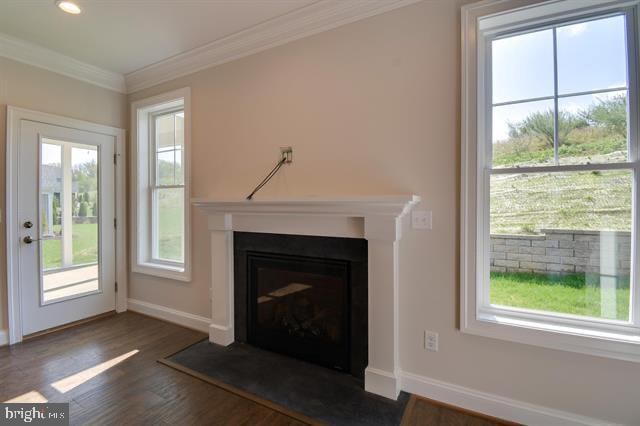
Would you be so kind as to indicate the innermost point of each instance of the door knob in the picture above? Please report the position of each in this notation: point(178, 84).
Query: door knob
point(28, 224)
point(28, 239)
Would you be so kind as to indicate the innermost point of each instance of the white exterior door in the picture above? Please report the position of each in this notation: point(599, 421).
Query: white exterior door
point(66, 181)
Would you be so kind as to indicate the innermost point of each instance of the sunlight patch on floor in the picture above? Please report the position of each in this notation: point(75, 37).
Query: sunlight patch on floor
point(29, 397)
point(75, 380)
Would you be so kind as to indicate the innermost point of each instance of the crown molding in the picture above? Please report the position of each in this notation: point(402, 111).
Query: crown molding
point(315, 18)
point(320, 16)
point(32, 54)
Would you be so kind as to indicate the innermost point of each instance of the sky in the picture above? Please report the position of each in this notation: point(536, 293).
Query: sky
point(52, 154)
point(591, 56)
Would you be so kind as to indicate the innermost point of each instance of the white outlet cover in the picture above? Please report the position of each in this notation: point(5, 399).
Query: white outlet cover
point(431, 341)
point(421, 219)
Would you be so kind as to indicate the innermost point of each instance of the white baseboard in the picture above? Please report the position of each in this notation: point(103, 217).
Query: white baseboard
point(221, 335)
point(4, 337)
point(381, 382)
point(491, 404)
point(184, 319)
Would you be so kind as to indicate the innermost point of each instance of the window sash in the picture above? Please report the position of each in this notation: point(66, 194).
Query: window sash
point(485, 170)
point(155, 186)
point(560, 96)
point(154, 150)
point(155, 244)
point(630, 25)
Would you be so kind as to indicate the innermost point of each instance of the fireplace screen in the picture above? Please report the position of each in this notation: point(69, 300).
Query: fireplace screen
point(299, 306)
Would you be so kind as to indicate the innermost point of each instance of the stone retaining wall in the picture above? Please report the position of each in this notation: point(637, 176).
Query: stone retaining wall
point(562, 251)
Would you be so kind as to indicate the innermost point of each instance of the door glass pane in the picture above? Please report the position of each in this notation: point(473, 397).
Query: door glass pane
point(593, 128)
point(561, 242)
point(522, 67)
point(169, 224)
point(69, 219)
point(592, 55)
point(51, 205)
point(522, 134)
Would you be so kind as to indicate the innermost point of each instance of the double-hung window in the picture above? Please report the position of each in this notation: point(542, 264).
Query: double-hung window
point(551, 175)
point(161, 205)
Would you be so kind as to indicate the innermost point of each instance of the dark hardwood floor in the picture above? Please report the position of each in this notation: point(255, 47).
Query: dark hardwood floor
point(107, 370)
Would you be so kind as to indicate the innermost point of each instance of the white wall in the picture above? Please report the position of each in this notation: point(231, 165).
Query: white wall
point(37, 89)
point(373, 108)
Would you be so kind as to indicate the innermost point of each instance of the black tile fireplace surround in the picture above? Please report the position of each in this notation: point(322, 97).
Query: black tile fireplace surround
point(303, 296)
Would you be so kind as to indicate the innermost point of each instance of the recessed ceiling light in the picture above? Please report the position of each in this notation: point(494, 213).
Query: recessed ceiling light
point(68, 6)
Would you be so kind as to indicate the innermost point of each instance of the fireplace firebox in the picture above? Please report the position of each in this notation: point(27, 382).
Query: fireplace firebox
point(304, 297)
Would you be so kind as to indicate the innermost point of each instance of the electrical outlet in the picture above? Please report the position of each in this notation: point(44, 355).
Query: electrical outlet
point(421, 219)
point(286, 152)
point(431, 341)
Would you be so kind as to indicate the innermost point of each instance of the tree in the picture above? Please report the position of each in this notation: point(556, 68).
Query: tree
point(541, 125)
point(84, 209)
point(609, 114)
point(86, 176)
point(57, 217)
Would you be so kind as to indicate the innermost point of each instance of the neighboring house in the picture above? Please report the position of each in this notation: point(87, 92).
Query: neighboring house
point(50, 188)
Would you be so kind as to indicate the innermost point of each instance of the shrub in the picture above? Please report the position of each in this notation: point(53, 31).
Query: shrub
point(84, 209)
point(610, 114)
point(541, 124)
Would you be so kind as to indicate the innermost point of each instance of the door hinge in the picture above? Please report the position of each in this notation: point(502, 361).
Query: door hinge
point(116, 286)
point(115, 223)
point(115, 159)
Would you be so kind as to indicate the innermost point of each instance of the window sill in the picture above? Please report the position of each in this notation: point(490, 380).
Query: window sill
point(162, 271)
point(621, 343)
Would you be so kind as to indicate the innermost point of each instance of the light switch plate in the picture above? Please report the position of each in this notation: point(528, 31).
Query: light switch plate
point(421, 219)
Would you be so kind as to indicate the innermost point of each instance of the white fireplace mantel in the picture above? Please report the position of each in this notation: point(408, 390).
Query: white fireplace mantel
point(377, 219)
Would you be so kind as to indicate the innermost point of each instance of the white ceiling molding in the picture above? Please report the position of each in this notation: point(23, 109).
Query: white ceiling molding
point(32, 54)
point(320, 16)
point(315, 18)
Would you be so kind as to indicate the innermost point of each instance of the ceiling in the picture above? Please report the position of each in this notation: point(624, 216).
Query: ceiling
point(125, 35)
point(129, 45)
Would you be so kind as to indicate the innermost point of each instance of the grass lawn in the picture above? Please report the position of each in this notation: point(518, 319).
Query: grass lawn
point(85, 247)
point(571, 294)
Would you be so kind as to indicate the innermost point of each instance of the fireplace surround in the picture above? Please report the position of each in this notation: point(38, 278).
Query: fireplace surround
point(377, 219)
point(303, 296)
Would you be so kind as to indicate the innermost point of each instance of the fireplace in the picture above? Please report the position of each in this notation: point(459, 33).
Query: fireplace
point(373, 223)
point(304, 297)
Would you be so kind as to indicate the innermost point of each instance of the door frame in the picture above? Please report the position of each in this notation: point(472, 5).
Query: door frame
point(14, 116)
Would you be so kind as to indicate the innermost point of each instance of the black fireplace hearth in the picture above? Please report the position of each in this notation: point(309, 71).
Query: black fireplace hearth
point(303, 296)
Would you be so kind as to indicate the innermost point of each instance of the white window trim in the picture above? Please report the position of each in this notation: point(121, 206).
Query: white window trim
point(564, 332)
point(141, 242)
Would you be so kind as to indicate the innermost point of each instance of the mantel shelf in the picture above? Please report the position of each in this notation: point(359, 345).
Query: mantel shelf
point(357, 206)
